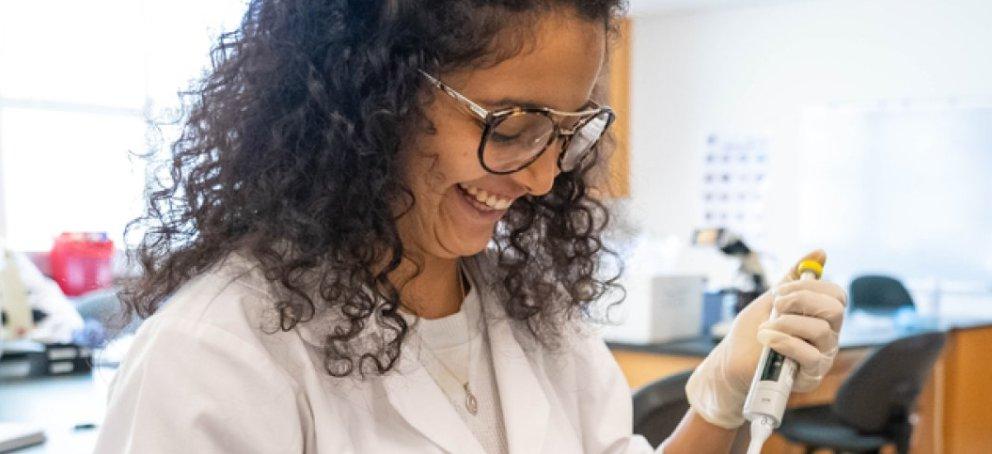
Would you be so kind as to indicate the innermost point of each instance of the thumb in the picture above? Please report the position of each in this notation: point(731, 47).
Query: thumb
point(817, 255)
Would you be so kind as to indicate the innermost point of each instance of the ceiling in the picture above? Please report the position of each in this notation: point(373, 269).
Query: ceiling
point(648, 7)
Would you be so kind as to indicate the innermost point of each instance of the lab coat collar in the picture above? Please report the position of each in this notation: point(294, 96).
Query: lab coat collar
point(419, 400)
point(525, 406)
point(522, 397)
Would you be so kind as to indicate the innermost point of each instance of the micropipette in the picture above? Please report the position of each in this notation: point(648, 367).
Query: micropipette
point(772, 383)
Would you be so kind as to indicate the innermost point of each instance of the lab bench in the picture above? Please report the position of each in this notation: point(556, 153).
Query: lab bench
point(954, 408)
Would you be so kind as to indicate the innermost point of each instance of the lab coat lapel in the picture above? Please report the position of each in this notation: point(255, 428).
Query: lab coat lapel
point(419, 400)
point(525, 406)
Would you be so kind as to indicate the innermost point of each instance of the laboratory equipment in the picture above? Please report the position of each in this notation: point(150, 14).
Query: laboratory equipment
point(750, 282)
point(772, 382)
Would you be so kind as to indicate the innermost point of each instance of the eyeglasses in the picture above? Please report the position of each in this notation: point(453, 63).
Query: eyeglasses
point(514, 138)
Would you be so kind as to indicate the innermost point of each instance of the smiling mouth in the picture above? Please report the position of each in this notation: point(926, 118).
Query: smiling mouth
point(484, 201)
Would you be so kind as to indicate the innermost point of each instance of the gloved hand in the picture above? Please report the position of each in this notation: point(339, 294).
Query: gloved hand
point(806, 330)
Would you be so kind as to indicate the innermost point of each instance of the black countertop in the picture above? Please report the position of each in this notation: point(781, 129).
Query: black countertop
point(856, 333)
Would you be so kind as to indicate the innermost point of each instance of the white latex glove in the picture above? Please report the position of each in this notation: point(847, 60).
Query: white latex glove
point(806, 330)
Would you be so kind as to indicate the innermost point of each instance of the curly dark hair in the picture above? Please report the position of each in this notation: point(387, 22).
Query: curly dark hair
point(289, 154)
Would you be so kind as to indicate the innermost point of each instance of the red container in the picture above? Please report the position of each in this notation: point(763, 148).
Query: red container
point(81, 262)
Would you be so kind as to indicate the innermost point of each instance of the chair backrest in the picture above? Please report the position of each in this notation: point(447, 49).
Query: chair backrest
point(659, 407)
point(885, 386)
point(878, 293)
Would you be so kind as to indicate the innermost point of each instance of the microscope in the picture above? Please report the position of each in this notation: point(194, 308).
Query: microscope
point(750, 281)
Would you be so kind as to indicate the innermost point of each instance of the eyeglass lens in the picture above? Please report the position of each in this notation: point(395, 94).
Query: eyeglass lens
point(519, 138)
point(583, 140)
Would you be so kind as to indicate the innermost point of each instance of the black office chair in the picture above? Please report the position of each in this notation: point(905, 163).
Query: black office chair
point(659, 407)
point(875, 293)
point(874, 404)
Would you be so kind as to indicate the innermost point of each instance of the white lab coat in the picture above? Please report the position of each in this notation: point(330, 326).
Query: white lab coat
point(205, 375)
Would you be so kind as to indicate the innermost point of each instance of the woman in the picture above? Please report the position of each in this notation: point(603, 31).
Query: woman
point(379, 237)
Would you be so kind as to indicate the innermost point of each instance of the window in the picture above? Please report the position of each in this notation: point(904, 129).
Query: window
point(79, 83)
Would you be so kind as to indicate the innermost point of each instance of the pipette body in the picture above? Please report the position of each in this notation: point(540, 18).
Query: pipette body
point(772, 382)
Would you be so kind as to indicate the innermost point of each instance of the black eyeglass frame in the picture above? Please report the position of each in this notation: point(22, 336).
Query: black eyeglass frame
point(491, 119)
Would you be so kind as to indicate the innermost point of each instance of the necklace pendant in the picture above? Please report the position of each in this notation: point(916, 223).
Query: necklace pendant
point(471, 404)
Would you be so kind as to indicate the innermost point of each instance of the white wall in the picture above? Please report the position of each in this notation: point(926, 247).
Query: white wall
point(755, 69)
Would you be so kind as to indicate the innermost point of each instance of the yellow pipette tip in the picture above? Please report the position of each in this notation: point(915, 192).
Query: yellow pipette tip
point(810, 265)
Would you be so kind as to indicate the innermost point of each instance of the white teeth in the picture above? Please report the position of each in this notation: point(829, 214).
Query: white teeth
point(490, 200)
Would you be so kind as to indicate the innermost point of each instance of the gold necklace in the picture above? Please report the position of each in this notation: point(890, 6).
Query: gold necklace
point(471, 403)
